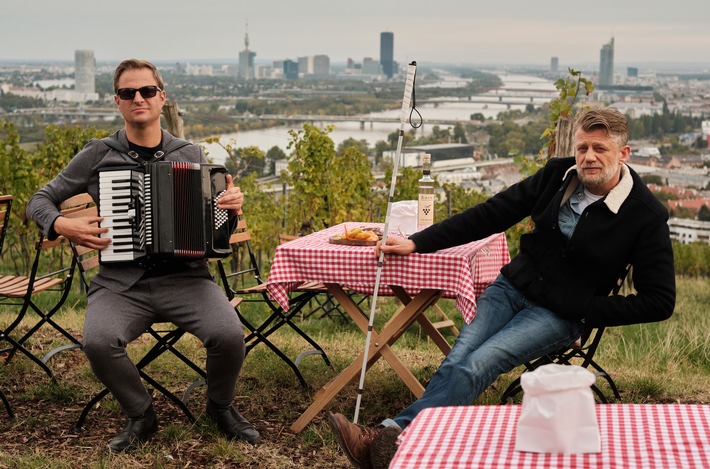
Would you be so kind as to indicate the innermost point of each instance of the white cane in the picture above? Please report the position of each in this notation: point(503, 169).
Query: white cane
point(406, 109)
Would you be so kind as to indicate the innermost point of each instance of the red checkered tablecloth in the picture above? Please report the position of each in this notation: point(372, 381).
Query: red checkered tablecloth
point(462, 272)
point(483, 437)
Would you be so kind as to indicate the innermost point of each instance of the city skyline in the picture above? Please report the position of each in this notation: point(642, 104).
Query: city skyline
point(509, 32)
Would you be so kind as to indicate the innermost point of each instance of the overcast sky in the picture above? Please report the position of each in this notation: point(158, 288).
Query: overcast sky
point(453, 31)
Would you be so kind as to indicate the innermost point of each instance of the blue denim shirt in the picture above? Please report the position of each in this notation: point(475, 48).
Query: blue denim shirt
point(573, 208)
point(570, 213)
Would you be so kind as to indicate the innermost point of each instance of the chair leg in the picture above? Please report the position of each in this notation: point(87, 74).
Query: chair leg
point(286, 319)
point(600, 394)
point(318, 350)
point(44, 319)
point(8, 407)
point(325, 306)
point(256, 337)
point(300, 302)
point(16, 346)
point(79, 425)
point(601, 373)
point(511, 391)
point(47, 318)
point(167, 342)
point(164, 343)
point(515, 388)
point(163, 390)
point(278, 318)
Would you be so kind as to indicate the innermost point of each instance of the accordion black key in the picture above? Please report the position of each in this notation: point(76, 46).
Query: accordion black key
point(162, 211)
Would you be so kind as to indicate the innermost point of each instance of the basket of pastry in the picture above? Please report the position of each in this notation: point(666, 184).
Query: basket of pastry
point(360, 236)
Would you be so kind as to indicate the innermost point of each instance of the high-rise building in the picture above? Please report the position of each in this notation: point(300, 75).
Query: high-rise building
point(387, 53)
point(321, 66)
point(290, 70)
point(305, 65)
point(371, 67)
point(606, 64)
point(554, 64)
point(85, 72)
point(246, 58)
point(314, 66)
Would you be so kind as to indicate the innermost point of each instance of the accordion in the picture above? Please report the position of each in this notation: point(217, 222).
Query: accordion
point(162, 211)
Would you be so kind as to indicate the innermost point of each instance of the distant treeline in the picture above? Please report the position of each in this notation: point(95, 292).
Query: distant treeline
point(512, 137)
point(692, 260)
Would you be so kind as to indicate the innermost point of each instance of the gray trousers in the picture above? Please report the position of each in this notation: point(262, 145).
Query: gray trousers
point(194, 303)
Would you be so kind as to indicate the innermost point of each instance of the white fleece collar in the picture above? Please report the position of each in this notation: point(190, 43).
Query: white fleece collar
point(616, 197)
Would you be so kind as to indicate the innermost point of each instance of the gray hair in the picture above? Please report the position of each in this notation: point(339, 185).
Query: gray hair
point(610, 119)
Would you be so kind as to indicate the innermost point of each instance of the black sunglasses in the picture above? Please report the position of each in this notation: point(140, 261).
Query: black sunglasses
point(128, 94)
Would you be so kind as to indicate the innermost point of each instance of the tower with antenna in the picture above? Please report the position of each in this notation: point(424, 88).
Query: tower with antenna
point(246, 57)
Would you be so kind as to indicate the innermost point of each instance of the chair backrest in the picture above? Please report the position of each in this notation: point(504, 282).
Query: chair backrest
point(52, 270)
point(5, 207)
point(231, 268)
point(285, 238)
point(82, 205)
point(73, 207)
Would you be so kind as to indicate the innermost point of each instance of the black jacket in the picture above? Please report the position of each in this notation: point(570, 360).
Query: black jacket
point(573, 278)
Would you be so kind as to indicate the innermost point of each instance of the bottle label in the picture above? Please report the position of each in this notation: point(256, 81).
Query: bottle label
point(425, 214)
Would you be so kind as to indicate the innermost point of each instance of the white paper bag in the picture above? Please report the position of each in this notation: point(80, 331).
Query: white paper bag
point(558, 412)
point(403, 217)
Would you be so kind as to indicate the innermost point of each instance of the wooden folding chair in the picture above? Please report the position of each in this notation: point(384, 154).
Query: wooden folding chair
point(5, 208)
point(582, 351)
point(22, 291)
point(246, 285)
point(87, 261)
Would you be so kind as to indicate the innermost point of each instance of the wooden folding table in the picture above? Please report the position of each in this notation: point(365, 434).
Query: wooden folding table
point(417, 280)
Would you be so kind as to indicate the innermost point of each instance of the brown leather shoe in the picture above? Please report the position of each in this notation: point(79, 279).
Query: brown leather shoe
point(355, 440)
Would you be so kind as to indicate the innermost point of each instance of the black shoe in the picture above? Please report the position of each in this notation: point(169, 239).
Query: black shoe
point(383, 447)
point(231, 423)
point(137, 430)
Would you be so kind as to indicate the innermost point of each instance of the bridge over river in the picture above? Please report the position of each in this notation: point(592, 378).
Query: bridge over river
point(503, 100)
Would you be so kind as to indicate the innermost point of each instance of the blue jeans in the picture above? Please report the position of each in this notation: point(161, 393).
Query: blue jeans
point(508, 330)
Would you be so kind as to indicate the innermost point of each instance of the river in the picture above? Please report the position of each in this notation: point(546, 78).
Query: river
point(513, 84)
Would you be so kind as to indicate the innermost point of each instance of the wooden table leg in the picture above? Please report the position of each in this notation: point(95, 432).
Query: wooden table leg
point(394, 328)
point(385, 351)
point(426, 324)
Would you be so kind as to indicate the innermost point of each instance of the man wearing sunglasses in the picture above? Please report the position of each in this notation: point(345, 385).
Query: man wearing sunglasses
point(126, 298)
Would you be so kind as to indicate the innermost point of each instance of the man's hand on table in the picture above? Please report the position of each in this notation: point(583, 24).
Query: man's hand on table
point(396, 245)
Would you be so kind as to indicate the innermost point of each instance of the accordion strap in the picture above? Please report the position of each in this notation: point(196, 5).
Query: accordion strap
point(119, 146)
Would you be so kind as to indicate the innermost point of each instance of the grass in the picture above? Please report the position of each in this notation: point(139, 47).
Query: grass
point(651, 363)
